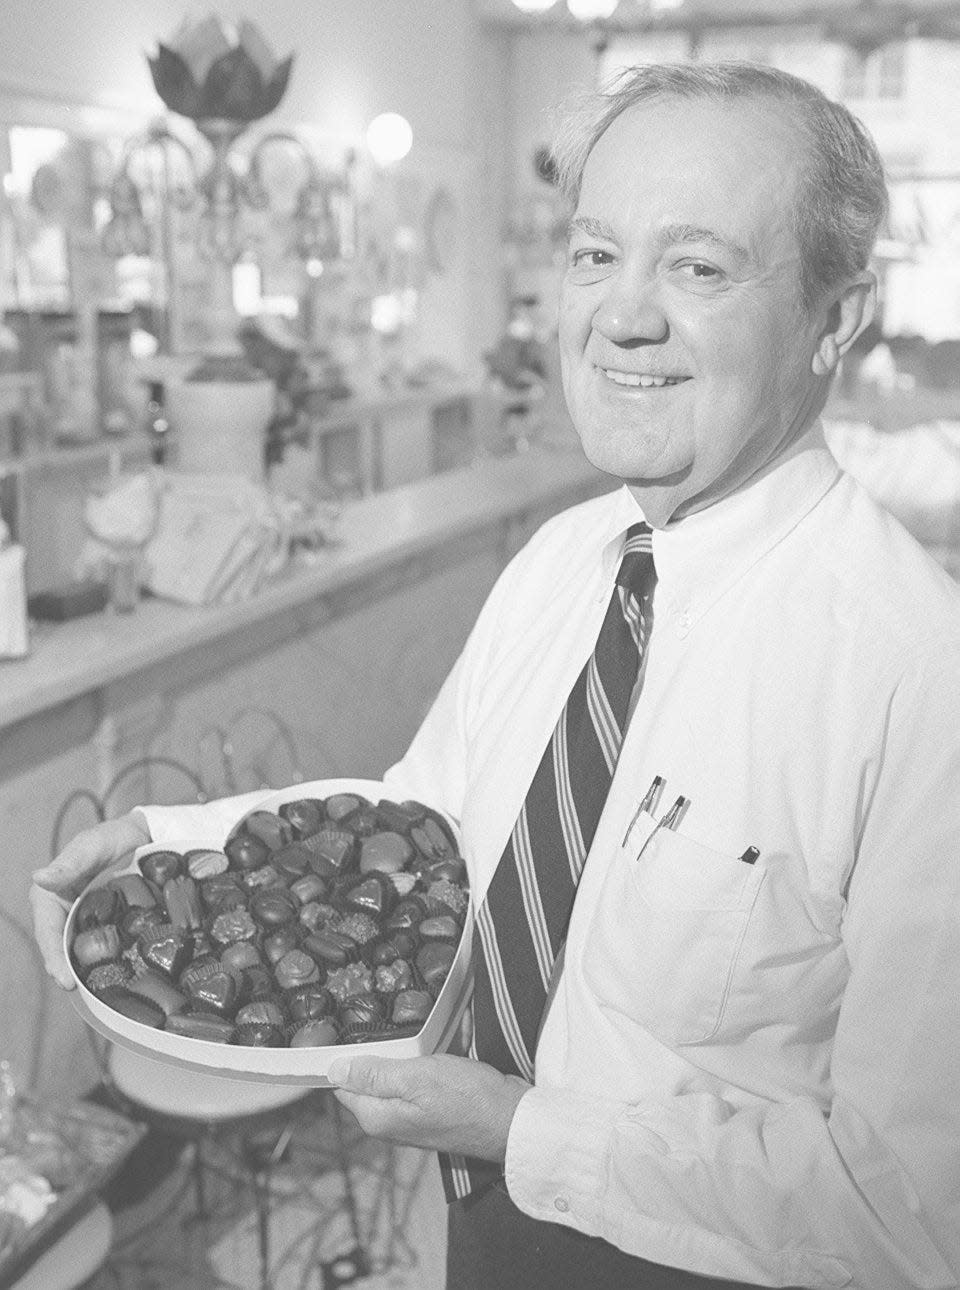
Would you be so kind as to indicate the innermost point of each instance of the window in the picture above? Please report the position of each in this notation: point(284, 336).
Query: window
point(880, 74)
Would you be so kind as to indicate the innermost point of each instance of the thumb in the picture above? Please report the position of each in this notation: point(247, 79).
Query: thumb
point(372, 1076)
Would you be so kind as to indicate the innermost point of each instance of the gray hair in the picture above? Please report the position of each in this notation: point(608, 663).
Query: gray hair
point(842, 200)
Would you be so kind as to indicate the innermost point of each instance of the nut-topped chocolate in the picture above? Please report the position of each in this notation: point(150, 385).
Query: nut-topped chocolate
point(333, 920)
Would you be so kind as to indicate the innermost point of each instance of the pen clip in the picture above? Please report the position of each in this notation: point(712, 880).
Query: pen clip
point(647, 803)
point(668, 821)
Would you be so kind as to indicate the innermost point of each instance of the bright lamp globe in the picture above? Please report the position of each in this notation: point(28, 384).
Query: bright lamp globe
point(592, 10)
point(534, 6)
point(389, 138)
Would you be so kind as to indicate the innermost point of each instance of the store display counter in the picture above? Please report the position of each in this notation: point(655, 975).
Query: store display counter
point(378, 537)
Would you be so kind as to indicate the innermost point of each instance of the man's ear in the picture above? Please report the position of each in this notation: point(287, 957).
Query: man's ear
point(847, 315)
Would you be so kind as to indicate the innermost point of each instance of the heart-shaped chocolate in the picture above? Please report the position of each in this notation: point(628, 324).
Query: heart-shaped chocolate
point(167, 949)
point(218, 994)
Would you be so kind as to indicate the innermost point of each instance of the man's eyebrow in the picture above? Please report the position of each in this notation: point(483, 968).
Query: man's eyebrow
point(592, 227)
point(669, 235)
point(676, 234)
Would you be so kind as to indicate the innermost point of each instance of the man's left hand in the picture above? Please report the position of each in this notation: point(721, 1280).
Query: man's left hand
point(443, 1103)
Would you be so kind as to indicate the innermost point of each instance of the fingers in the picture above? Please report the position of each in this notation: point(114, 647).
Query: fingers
point(49, 919)
point(92, 850)
point(372, 1076)
point(55, 885)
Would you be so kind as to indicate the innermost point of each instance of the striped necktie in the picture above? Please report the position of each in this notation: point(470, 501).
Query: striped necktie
point(522, 923)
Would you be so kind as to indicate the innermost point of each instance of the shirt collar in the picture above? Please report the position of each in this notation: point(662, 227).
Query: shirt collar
point(698, 557)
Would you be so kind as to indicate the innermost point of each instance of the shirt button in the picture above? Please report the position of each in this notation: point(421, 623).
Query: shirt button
point(683, 624)
point(562, 1204)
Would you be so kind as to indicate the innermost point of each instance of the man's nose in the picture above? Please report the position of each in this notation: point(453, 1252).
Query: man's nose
point(631, 313)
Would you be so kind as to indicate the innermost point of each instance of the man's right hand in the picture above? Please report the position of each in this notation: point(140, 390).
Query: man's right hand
point(56, 887)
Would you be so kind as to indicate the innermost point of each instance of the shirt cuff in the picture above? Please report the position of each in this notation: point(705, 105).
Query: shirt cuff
point(204, 824)
point(556, 1154)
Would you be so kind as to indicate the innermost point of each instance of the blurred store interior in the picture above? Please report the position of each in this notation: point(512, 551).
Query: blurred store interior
point(279, 396)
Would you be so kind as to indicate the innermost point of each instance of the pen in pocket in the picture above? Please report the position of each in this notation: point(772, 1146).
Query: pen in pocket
point(647, 803)
point(668, 821)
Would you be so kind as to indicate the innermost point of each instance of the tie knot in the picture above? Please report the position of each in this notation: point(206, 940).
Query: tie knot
point(636, 572)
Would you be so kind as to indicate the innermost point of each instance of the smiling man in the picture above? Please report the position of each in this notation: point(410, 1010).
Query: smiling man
point(702, 748)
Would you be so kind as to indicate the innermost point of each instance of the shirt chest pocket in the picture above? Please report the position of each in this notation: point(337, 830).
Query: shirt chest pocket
point(666, 930)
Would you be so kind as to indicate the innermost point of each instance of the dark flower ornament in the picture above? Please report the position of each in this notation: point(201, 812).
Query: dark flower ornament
point(210, 72)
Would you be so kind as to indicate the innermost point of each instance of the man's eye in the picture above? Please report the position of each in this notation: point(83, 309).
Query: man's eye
point(590, 259)
point(702, 272)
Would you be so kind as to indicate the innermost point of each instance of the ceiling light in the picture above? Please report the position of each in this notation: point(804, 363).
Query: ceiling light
point(389, 138)
point(534, 6)
point(592, 10)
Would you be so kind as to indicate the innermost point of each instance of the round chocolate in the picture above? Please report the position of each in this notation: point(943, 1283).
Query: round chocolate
point(442, 927)
point(261, 1012)
point(304, 816)
point(408, 915)
point(385, 853)
point(247, 852)
point(295, 969)
point(96, 945)
point(265, 876)
point(361, 1009)
point(271, 829)
point(273, 907)
point(309, 1002)
point(137, 921)
point(309, 889)
point(434, 962)
point(99, 908)
point(233, 925)
point(314, 1034)
point(279, 943)
point(240, 955)
point(160, 866)
point(255, 1035)
point(343, 804)
point(411, 1006)
point(346, 982)
point(256, 983)
point(108, 974)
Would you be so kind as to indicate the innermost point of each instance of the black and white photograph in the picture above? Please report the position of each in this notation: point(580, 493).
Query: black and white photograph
point(480, 645)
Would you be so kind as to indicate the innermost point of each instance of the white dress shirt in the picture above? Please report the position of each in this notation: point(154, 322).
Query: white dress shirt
point(747, 1071)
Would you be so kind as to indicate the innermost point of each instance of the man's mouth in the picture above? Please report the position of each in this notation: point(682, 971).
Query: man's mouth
point(645, 380)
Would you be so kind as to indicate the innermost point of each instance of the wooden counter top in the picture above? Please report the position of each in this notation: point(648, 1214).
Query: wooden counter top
point(378, 533)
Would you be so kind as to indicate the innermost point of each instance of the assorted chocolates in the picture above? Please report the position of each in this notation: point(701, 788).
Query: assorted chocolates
point(332, 921)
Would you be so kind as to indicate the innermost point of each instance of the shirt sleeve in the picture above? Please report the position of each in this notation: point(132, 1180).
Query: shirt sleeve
point(205, 824)
point(868, 1193)
point(434, 769)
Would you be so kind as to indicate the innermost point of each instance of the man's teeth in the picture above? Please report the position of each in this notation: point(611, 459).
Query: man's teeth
point(636, 378)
